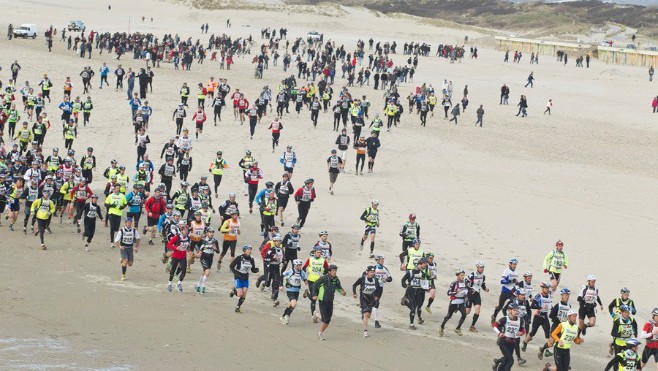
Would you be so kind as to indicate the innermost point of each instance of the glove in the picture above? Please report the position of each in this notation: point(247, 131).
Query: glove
point(256, 270)
point(545, 270)
point(299, 249)
point(404, 285)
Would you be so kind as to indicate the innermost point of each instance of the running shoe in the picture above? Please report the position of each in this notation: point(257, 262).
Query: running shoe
point(285, 319)
point(365, 333)
point(420, 321)
point(440, 331)
point(377, 325)
point(179, 286)
point(197, 289)
point(428, 310)
point(524, 346)
point(458, 331)
point(314, 318)
point(320, 336)
point(276, 304)
point(123, 277)
point(237, 310)
point(472, 329)
point(540, 354)
point(203, 291)
point(522, 361)
point(169, 287)
point(548, 353)
point(412, 326)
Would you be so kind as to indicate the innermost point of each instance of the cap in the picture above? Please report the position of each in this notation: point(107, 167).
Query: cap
point(333, 267)
point(323, 233)
point(375, 202)
point(591, 277)
point(370, 268)
point(625, 290)
point(514, 261)
point(479, 264)
point(544, 285)
point(246, 247)
point(565, 291)
point(379, 257)
point(219, 153)
point(297, 262)
point(526, 274)
point(295, 226)
point(182, 223)
point(412, 216)
point(459, 271)
point(93, 196)
point(129, 219)
point(521, 291)
point(276, 237)
point(269, 184)
point(513, 306)
point(210, 230)
point(571, 312)
point(632, 342)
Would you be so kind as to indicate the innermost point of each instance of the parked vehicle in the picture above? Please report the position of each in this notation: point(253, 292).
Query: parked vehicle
point(26, 30)
point(76, 26)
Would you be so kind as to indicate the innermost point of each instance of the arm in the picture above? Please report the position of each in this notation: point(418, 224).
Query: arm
point(356, 284)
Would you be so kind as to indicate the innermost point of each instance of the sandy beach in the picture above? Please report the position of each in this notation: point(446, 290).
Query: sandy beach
point(585, 174)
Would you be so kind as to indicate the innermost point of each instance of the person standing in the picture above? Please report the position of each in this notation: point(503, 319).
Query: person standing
point(651, 73)
point(126, 240)
point(334, 165)
point(324, 291)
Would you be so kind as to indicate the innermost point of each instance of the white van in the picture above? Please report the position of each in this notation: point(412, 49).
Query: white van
point(26, 30)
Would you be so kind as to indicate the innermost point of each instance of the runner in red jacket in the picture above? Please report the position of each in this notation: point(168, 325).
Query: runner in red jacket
point(155, 206)
point(304, 196)
point(199, 118)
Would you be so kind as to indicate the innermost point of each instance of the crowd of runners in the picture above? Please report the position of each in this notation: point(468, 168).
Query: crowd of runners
point(43, 190)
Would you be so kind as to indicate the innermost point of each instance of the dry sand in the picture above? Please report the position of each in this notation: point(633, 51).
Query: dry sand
point(586, 175)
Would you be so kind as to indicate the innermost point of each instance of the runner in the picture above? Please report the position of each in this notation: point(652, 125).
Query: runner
point(410, 232)
point(587, 299)
point(415, 294)
point(283, 190)
point(615, 312)
point(628, 359)
point(650, 332)
point(431, 273)
point(205, 251)
point(543, 303)
point(476, 283)
point(197, 233)
point(155, 207)
point(217, 167)
point(457, 294)
point(343, 143)
point(179, 244)
point(558, 315)
point(127, 238)
point(274, 257)
point(323, 291)
point(368, 285)
point(240, 268)
point(508, 280)
point(373, 145)
point(43, 208)
point(335, 165)
point(304, 196)
point(509, 329)
point(115, 202)
point(290, 246)
point(361, 147)
point(554, 262)
point(565, 335)
point(289, 160)
point(276, 128)
point(293, 283)
point(199, 118)
point(624, 327)
point(231, 230)
point(253, 175)
point(371, 217)
point(90, 212)
point(245, 163)
point(315, 267)
point(383, 275)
